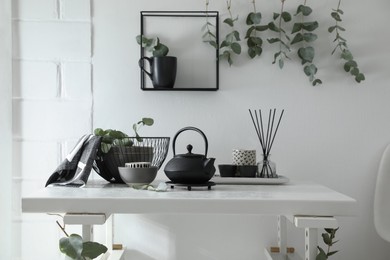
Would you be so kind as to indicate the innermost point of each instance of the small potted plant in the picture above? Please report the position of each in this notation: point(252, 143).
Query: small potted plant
point(162, 67)
point(117, 148)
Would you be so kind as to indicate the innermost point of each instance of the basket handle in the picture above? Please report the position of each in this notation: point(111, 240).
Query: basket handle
point(193, 129)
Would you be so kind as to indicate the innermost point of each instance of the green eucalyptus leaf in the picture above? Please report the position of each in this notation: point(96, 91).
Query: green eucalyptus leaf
point(160, 50)
point(276, 55)
point(148, 121)
point(214, 44)
point(305, 10)
point(340, 28)
point(336, 16)
point(72, 246)
point(326, 238)
point(107, 139)
point(316, 82)
point(360, 77)
point(248, 20)
point(329, 230)
point(236, 35)
point(236, 47)
point(306, 54)
point(93, 249)
point(255, 18)
point(286, 16)
point(309, 37)
point(224, 44)
point(258, 50)
point(257, 41)
point(310, 26)
point(273, 40)
point(249, 31)
point(296, 27)
point(273, 27)
point(331, 253)
point(347, 67)
point(346, 55)
point(250, 42)
point(281, 63)
point(297, 38)
point(321, 256)
point(225, 55)
point(229, 21)
point(310, 70)
point(275, 16)
point(99, 132)
point(261, 28)
point(332, 28)
point(355, 71)
point(117, 134)
point(251, 52)
point(230, 60)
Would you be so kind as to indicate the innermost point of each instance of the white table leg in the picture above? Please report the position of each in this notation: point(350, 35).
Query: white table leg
point(87, 232)
point(311, 242)
point(282, 234)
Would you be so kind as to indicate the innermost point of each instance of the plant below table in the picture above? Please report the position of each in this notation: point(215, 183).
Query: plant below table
point(73, 246)
point(328, 239)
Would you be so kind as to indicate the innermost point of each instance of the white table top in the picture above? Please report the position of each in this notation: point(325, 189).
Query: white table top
point(294, 198)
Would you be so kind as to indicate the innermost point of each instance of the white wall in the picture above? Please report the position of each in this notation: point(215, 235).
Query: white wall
point(5, 127)
point(333, 134)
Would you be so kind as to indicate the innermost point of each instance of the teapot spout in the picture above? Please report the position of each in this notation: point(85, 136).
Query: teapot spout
point(209, 164)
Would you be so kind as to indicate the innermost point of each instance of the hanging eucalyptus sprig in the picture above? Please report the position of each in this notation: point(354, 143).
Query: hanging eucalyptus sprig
point(304, 35)
point(282, 38)
point(209, 30)
point(328, 239)
point(230, 45)
point(350, 64)
point(254, 41)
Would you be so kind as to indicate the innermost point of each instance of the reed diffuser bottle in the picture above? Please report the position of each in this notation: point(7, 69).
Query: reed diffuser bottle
point(266, 134)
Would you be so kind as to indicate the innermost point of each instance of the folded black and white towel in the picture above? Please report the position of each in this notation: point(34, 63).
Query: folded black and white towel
point(76, 168)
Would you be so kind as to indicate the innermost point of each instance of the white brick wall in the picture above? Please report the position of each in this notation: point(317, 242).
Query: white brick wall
point(52, 106)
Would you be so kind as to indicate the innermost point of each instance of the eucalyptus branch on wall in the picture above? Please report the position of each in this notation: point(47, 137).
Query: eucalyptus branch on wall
point(282, 39)
point(254, 41)
point(209, 30)
point(230, 45)
point(304, 36)
point(350, 64)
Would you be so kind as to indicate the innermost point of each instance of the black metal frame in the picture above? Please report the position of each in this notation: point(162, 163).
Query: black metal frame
point(212, 14)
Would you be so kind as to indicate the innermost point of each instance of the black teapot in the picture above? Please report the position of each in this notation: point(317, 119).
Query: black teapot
point(190, 168)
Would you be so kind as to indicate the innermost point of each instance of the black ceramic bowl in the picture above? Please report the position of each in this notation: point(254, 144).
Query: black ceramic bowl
point(248, 171)
point(227, 170)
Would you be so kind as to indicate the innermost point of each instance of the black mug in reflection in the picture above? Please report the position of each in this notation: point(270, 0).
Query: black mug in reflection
point(162, 70)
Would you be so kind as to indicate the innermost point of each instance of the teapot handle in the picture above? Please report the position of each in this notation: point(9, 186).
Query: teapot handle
point(194, 129)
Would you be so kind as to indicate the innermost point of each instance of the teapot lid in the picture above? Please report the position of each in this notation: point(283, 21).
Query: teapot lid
point(190, 154)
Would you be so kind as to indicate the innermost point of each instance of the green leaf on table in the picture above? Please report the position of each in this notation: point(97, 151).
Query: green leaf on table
point(249, 31)
point(326, 238)
point(336, 16)
point(147, 121)
point(229, 21)
point(346, 55)
point(296, 27)
point(310, 26)
point(253, 18)
point(297, 38)
point(347, 67)
point(316, 82)
point(360, 77)
point(309, 37)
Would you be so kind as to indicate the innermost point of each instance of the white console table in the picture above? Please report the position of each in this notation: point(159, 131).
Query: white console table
point(306, 205)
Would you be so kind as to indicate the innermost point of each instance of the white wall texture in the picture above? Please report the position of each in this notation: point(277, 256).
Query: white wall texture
point(75, 68)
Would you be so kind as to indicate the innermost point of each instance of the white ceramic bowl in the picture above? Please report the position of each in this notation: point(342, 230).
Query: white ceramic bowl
point(137, 176)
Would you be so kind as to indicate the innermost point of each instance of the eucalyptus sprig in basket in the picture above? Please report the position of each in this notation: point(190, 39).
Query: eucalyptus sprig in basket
point(117, 149)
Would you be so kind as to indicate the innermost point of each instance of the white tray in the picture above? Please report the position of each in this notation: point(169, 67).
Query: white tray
point(250, 181)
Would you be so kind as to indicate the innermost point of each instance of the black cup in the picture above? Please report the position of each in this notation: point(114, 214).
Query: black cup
point(162, 70)
point(248, 171)
point(227, 170)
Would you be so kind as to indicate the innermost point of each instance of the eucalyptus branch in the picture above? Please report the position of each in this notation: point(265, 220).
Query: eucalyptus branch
point(230, 45)
point(282, 38)
point(328, 238)
point(209, 35)
point(350, 64)
point(254, 42)
point(304, 35)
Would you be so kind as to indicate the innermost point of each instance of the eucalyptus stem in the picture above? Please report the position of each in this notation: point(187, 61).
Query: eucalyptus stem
point(280, 24)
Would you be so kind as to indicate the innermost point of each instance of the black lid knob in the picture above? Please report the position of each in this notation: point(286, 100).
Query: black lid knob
point(189, 148)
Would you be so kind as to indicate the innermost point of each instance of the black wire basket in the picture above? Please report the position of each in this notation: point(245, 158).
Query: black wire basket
point(150, 149)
